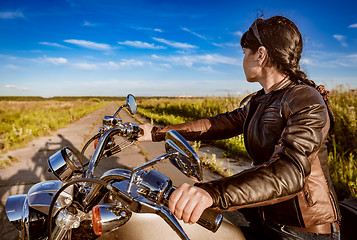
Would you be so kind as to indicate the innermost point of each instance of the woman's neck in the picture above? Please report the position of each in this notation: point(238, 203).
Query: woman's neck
point(271, 79)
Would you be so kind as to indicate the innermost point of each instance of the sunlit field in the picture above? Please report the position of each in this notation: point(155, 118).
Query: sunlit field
point(342, 143)
point(23, 120)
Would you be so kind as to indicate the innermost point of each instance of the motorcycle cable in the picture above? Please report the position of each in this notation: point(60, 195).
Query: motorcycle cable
point(85, 148)
point(49, 219)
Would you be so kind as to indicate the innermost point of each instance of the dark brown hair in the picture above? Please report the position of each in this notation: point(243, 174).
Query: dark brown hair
point(283, 41)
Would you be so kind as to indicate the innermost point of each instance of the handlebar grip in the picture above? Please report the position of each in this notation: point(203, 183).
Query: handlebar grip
point(210, 219)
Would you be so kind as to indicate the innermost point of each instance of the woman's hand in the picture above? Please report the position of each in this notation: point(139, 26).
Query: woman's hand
point(147, 128)
point(188, 202)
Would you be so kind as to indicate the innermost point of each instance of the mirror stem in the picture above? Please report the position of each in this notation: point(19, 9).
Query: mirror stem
point(116, 113)
point(146, 165)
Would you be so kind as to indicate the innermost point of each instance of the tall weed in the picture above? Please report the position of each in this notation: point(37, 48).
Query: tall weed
point(21, 121)
point(343, 142)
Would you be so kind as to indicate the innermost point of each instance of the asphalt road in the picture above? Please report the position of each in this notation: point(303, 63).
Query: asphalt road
point(32, 165)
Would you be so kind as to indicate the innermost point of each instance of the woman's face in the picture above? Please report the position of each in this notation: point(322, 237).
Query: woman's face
point(250, 65)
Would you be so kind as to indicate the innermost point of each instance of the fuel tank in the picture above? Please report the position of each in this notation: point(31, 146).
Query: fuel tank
point(152, 227)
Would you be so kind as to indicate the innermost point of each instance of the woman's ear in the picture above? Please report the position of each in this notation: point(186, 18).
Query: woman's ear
point(262, 56)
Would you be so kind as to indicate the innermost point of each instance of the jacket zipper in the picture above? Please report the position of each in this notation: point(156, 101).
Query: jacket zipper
point(335, 209)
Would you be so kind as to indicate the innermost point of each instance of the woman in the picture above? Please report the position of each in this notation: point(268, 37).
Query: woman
point(285, 127)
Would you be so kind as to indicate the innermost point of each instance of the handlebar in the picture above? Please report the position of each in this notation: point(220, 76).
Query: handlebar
point(210, 219)
point(127, 130)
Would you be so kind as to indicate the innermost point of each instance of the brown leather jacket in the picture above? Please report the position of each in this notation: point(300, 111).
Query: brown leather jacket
point(285, 133)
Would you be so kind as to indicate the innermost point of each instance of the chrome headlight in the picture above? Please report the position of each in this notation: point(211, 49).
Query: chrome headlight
point(65, 164)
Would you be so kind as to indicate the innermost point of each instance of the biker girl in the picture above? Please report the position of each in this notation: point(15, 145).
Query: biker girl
point(285, 127)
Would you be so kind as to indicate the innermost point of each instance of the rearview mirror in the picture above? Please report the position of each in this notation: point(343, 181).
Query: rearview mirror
point(131, 104)
point(187, 160)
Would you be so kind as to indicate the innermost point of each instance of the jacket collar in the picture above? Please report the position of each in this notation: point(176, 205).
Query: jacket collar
point(261, 96)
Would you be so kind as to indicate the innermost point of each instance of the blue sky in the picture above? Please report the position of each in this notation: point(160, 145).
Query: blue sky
point(160, 48)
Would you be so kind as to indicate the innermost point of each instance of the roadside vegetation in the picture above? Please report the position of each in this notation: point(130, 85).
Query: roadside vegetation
point(23, 119)
point(342, 143)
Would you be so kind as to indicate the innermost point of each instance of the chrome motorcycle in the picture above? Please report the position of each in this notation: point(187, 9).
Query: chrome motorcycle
point(120, 204)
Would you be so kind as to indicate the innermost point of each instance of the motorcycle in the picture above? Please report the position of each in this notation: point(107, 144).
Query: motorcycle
point(120, 204)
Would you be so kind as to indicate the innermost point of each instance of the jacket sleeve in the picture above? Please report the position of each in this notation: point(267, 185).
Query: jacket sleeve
point(283, 176)
point(221, 126)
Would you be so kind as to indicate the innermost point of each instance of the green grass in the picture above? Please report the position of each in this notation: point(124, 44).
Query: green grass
point(343, 142)
point(342, 145)
point(168, 111)
point(22, 121)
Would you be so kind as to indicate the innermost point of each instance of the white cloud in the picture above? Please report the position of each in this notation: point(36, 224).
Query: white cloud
point(111, 65)
point(52, 44)
point(11, 66)
point(8, 57)
point(175, 44)
point(11, 15)
point(125, 63)
point(89, 24)
point(353, 25)
point(341, 39)
point(229, 44)
point(85, 66)
point(216, 58)
point(238, 33)
point(206, 69)
point(330, 60)
point(131, 63)
point(196, 34)
point(16, 87)
point(190, 60)
point(55, 61)
point(89, 44)
point(306, 61)
point(148, 29)
point(139, 44)
point(165, 65)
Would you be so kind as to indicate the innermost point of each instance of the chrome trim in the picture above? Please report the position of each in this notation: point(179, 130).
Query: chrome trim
point(99, 149)
point(13, 208)
point(116, 174)
point(112, 217)
point(146, 165)
point(155, 185)
point(113, 174)
point(110, 121)
point(131, 104)
point(64, 164)
point(139, 204)
point(186, 160)
point(25, 222)
point(67, 219)
point(41, 194)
